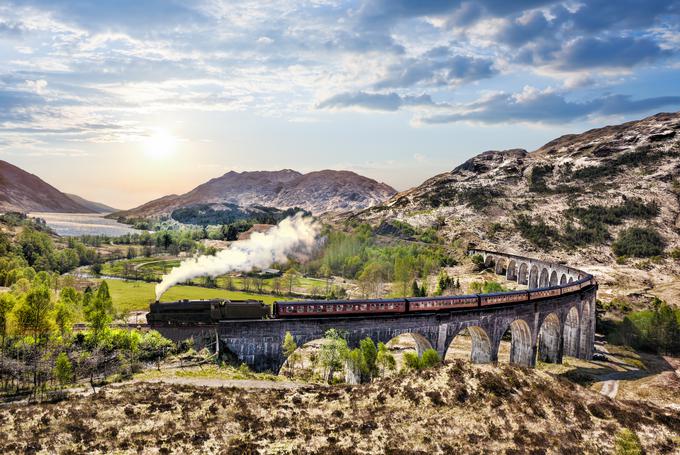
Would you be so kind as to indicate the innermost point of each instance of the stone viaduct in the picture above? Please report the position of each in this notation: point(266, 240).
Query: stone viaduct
point(544, 329)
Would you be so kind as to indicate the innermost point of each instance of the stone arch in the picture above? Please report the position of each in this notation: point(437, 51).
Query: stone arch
point(553, 278)
point(523, 274)
point(533, 277)
point(474, 342)
point(586, 330)
point(571, 280)
point(512, 271)
point(563, 280)
point(421, 344)
point(521, 346)
point(571, 333)
point(549, 340)
point(303, 354)
point(501, 266)
point(544, 280)
point(489, 261)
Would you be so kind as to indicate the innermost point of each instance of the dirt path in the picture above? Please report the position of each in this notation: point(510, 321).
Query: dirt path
point(610, 387)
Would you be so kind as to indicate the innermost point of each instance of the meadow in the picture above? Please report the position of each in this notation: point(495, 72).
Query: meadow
point(137, 295)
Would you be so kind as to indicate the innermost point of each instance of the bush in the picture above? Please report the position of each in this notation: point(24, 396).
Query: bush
point(429, 359)
point(638, 242)
point(627, 443)
point(538, 232)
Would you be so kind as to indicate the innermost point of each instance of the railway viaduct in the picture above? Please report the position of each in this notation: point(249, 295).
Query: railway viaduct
point(544, 330)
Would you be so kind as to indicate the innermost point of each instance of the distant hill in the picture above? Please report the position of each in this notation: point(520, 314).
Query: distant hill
point(317, 192)
point(21, 191)
point(94, 206)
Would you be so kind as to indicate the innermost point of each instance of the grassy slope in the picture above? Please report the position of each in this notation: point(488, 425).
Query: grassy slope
point(136, 295)
point(457, 408)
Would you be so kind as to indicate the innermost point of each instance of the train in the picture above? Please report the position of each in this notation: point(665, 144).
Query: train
point(189, 312)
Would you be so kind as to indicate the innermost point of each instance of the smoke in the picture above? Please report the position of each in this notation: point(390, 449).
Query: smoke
point(259, 251)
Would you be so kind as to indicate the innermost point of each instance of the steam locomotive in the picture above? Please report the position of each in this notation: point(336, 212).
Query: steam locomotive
point(189, 312)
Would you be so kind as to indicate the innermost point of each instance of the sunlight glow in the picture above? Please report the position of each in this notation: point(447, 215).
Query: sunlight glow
point(160, 145)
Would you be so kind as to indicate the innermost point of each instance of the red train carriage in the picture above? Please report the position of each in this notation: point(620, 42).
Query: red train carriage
point(500, 298)
point(324, 308)
point(442, 303)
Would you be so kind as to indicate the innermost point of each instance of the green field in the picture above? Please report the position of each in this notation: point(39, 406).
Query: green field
point(137, 295)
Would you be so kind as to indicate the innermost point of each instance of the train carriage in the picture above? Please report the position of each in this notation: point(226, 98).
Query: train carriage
point(503, 298)
point(322, 308)
point(442, 303)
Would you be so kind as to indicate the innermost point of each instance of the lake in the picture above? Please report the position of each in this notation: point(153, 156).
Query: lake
point(75, 224)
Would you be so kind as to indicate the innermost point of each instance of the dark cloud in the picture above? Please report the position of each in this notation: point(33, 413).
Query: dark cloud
point(374, 101)
point(597, 15)
point(585, 53)
point(549, 107)
point(437, 67)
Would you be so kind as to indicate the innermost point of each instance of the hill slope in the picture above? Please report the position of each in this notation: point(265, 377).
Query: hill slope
point(94, 206)
point(567, 200)
point(317, 192)
point(456, 408)
point(24, 192)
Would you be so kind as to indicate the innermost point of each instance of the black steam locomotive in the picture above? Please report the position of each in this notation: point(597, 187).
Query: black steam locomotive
point(186, 312)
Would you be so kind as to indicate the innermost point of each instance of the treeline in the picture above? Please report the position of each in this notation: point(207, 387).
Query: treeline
point(357, 255)
point(225, 214)
point(34, 251)
point(358, 365)
point(655, 330)
point(40, 352)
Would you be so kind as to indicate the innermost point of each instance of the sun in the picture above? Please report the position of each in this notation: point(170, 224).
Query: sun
point(160, 145)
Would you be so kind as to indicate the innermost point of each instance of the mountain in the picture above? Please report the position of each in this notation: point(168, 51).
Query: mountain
point(571, 199)
point(24, 192)
point(93, 206)
point(318, 192)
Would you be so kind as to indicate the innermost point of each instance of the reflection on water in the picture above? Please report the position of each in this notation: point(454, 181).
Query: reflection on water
point(75, 224)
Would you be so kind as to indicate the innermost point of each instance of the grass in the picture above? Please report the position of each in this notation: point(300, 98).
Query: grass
point(209, 372)
point(136, 295)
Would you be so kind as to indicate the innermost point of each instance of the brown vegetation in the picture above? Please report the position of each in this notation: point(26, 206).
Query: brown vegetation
point(455, 408)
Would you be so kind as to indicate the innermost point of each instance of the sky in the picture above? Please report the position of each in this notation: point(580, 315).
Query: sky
point(128, 100)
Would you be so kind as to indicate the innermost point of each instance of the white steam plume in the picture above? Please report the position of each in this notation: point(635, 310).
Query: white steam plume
point(259, 251)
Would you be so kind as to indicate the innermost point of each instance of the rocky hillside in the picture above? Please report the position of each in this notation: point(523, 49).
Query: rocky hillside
point(24, 192)
point(456, 408)
point(570, 200)
point(317, 192)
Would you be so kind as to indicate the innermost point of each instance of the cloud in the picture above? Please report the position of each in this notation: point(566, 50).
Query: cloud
point(547, 106)
point(437, 67)
point(374, 101)
point(625, 52)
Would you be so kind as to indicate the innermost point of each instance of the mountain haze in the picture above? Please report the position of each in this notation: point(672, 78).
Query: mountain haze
point(318, 192)
point(94, 206)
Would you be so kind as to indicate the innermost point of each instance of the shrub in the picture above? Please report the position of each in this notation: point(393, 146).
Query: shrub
point(675, 254)
point(429, 359)
point(638, 242)
point(537, 178)
point(538, 232)
point(627, 443)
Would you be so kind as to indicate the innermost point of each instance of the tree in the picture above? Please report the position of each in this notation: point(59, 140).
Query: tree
point(99, 311)
point(384, 359)
point(332, 353)
point(370, 355)
point(289, 351)
point(404, 272)
point(153, 346)
point(63, 369)
point(277, 285)
point(64, 316)
point(7, 302)
point(429, 359)
point(325, 271)
point(33, 313)
point(370, 279)
point(291, 278)
point(355, 366)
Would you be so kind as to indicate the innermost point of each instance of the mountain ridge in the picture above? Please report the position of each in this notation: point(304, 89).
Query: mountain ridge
point(318, 191)
point(21, 191)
